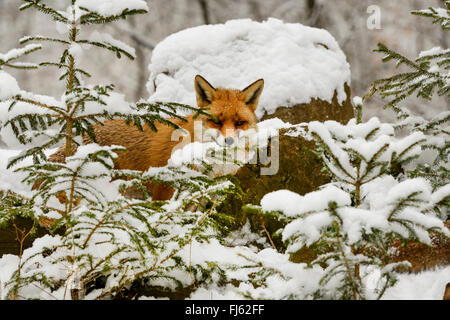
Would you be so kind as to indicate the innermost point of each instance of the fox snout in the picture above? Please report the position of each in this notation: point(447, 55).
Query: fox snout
point(232, 111)
point(229, 140)
point(230, 137)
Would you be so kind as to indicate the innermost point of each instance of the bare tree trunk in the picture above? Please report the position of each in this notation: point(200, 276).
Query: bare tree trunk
point(205, 12)
point(314, 16)
point(256, 10)
point(142, 74)
point(419, 28)
point(141, 64)
point(310, 4)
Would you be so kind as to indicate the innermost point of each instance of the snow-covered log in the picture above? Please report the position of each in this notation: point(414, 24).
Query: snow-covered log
point(299, 64)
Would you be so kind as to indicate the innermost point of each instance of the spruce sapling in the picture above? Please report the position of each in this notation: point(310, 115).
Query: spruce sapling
point(105, 236)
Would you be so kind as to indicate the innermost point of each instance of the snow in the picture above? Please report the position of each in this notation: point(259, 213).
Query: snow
point(353, 129)
point(374, 193)
point(379, 211)
point(6, 133)
point(282, 51)
point(17, 52)
point(357, 101)
point(433, 51)
point(10, 180)
point(273, 124)
point(8, 87)
point(296, 62)
point(211, 153)
point(418, 185)
point(114, 103)
point(356, 221)
point(292, 204)
point(400, 147)
point(271, 128)
point(281, 200)
point(321, 130)
point(75, 50)
point(310, 228)
point(112, 7)
point(191, 153)
point(440, 194)
point(299, 282)
point(371, 140)
point(426, 285)
point(241, 152)
point(24, 108)
point(438, 13)
point(289, 280)
point(367, 149)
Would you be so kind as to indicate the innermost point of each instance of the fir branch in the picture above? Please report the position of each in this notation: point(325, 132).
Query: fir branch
point(56, 109)
point(21, 65)
point(63, 65)
point(37, 153)
point(421, 80)
point(42, 38)
point(7, 59)
point(91, 17)
point(409, 201)
point(137, 234)
point(42, 7)
point(440, 15)
point(335, 160)
point(105, 45)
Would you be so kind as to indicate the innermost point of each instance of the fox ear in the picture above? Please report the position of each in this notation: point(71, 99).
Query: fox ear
point(204, 91)
point(252, 92)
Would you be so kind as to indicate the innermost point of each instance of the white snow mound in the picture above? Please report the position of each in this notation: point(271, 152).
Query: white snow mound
point(8, 87)
point(296, 62)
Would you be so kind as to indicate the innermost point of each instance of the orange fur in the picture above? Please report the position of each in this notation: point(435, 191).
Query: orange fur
point(233, 110)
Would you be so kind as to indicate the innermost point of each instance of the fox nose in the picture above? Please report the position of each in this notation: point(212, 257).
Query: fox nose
point(229, 140)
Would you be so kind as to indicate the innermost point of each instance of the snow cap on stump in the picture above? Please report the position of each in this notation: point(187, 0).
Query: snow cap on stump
point(297, 62)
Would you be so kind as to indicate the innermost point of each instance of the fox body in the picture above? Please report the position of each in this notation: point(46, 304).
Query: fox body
point(233, 112)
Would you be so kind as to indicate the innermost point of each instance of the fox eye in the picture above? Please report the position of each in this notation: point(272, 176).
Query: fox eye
point(215, 121)
point(240, 123)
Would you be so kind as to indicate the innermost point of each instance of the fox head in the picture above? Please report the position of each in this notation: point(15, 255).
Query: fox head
point(232, 110)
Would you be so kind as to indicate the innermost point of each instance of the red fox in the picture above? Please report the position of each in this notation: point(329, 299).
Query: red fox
point(232, 110)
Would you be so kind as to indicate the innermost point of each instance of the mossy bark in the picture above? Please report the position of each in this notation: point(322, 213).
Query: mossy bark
point(316, 110)
point(10, 237)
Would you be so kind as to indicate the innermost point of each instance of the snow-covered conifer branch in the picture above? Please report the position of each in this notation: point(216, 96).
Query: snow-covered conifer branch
point(424, 80)
point(8, 59)
point(41, 6)
point(439, 15)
